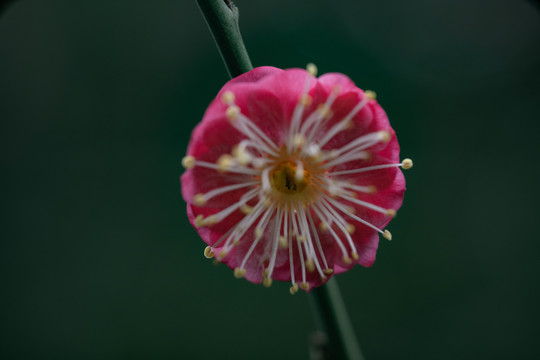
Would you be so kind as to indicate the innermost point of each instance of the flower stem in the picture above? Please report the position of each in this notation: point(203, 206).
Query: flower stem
point(330, 313)
point(222, 19)
point(332, 319)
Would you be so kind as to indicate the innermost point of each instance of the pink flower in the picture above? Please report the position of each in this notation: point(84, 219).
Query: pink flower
point(292, 177)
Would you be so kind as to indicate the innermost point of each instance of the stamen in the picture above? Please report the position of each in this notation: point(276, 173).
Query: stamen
point(370, 189)
point(324, 112)
point(298, 112)
point(300, 252)
point(294, 288)
point(267, 282)
point(232, 113)
point(407, 164)
point(276, 241)
point(368, 168)
point(316, 236)
point(312, 261)
point(387, 235)
point(230, 167)
point(312, 69)
point(370, 94)
point(239, 273)
point(368, 205)
point(339, 126)
point(353, 150)
point(188, 162)
point(348, 213)
point(208, 252)
point(260, 226)
point(228, 98)
point(217, 217)
point(318, 211)
point(201, 199)
point(299, 175)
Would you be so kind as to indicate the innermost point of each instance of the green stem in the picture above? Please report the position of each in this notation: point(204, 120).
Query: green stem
point(330, 313)
point(222, 19)
point(332, 319)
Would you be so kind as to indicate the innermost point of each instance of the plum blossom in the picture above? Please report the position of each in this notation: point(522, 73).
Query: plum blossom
point(292, 177)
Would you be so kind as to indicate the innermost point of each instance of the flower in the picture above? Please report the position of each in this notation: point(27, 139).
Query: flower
point(292, 177)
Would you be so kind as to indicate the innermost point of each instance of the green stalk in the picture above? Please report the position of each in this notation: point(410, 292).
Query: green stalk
point(330, 312)
point(332, 319)
point(222, 19)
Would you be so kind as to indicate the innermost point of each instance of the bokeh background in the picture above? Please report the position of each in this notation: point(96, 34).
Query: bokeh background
point(97, 102)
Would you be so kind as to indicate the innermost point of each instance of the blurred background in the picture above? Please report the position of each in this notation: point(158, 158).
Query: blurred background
point(97, 103)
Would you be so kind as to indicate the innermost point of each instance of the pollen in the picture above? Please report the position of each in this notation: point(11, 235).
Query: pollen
point(188, 162)
point(239, 273)
point(208, 252)
point(370, 94)
point(284, 178)
point(312, 69)
point(267, 282)
point(199, 200)
point(227, 97)
point(407, 164)
point(232, 112)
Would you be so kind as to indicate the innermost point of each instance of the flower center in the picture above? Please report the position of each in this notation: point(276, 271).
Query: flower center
point(288, 179)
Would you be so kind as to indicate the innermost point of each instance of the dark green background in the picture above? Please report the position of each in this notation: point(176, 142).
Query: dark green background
point(97, 102)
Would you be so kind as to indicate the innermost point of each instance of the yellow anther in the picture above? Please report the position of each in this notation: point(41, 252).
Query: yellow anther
point(385, 136)
point(267, 202)
point(227, 97)
point(239, 273)
point(387, 235)
point(371, 189)
point(267, 282)
point(283, 244)
point(211, 220)
point(293, 289)
point(312, 69)
point(246, 209)
point(324, 226)
point(301, 238)
point(391, 212)
point(265, 272)
point(328, 271)
point(188, 162)
point(258, 233)
point(199, 221)
point(199, 200)
point(407, 164)
point(350, 209)
point(241, 155)
point(347, 123)
point(354, 255)
point(346, 259)
point(306, 100)
point(225, 162)
point(324, 110)
point(232, 112)
point(221, 255)
point(304, 286)
point(350, 228)
point(370, 94)
point(208, 252)
point(299, 140)
point(310, 265)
